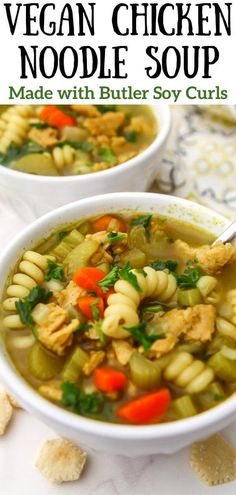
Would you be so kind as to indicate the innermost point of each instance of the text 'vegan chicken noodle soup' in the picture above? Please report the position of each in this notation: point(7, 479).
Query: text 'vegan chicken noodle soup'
point(125, 318)
point(73, 139)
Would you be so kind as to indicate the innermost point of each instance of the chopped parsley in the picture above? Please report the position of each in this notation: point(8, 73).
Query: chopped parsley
point(141, 270)
point(15, 152)
point(144, 220)
point(80, 402)
point(186, 280)
point(106, 154)
point(131, 136)
point(67, 110)
point(171, 265)
point(140, 335)
point(106, 108)
point(26, 305)
point(83, 327)
point(60, 235)
point(54, 271)
point(83, 146)
point(110, 279)
point(12, 154)
point(101, 334)
point(39, 125)
point(154, 308)
point(206, 356)
point(115, 237)
point(126, 274)
point(117, 273)
point(189, 278)
point(218, 397)
point(95, 310)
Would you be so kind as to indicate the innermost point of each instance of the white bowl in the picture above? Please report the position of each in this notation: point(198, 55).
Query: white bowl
point(114, 438)
point(43, 194)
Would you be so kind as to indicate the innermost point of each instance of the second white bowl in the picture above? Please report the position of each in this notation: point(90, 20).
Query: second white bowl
point(40, 194)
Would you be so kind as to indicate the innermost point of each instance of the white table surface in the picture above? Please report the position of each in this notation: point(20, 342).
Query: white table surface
point(104, 474)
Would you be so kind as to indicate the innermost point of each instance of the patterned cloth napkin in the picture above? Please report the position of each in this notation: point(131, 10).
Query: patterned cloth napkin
point(200, 159)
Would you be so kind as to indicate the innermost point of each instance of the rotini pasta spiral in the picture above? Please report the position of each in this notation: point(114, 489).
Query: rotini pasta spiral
point(159, 284)
point(188, 373)
point(30, 273)
point(14, 125)
point(122, 306)
point(22, 110)
point(64, 156)
point(225, 327)
point(226, 319)
point(121, 311)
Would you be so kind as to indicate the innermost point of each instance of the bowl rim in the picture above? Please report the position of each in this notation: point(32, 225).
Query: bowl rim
point(160, 138)
point(43, 408)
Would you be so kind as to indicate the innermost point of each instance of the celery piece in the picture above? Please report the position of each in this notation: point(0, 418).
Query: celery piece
point(42, 364)
point(223, 367)
point(219, 341)
point(189, 297)
point(184, 407)
point(135, 257)
point(213, 394)
point(69, 242)
point(72, 370)
point(137, 238)
point(152, 308)
point(85, 228)
point(144, 373)
point(192, 347)
point(157, 245)
point(80, 255)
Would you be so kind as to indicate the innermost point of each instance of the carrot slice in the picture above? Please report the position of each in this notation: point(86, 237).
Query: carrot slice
point(109, 380)
point(47, 111)
point(108, 222)
point(92, 307)
point(60, 119)
point(88, 277)
point(146, 409)
point(56, 117)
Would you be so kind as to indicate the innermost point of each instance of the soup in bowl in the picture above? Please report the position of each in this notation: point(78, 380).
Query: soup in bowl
point(125, 157)
point(119, 318)
point(56, 140)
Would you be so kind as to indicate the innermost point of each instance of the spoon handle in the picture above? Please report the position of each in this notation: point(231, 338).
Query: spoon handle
point(228, 233)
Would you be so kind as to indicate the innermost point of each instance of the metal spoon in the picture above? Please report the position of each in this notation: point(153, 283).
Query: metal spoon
point(228, 234)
